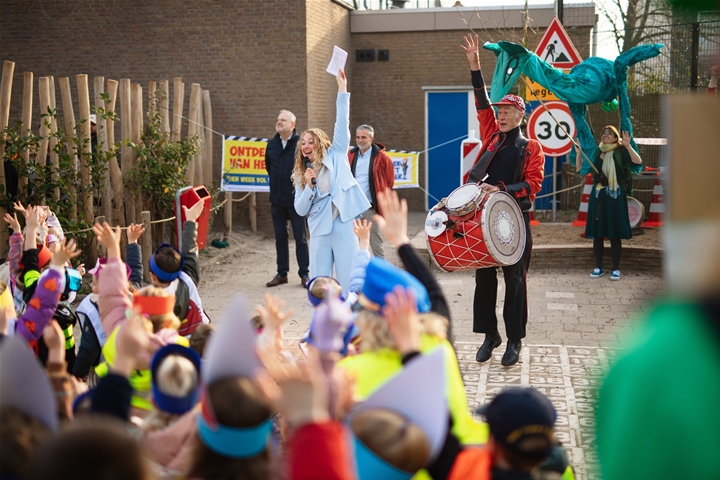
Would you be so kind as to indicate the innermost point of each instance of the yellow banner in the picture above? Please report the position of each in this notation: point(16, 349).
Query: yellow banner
point(537, 89)
point(244, 166)
point(406, 169)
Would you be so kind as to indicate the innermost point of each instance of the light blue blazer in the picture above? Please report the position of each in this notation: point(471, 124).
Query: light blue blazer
point(345, 193)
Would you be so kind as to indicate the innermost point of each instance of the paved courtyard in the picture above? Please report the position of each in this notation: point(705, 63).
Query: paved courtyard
point(575, 328)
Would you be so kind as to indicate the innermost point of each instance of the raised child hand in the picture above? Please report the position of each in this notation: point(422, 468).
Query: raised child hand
point(393, 222)
point(403, 319)
point(63, 252)
point(133, 232)
point(194, 212)
point(55, 342)
point(273, 317)
point(13, 222)
point(108, 238)
point(362, 231)
point(133, 346)
point(19, 208)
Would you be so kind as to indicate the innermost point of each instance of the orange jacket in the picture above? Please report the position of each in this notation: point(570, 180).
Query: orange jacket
point(472, 464)
point(534, 168)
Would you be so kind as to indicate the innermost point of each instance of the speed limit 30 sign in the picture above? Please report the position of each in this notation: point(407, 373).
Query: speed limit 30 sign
point(548, 131)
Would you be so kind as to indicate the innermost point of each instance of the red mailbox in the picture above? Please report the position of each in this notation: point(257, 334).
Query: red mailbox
point(188, 197)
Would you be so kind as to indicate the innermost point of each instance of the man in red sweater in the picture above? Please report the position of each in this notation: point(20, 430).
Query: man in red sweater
point(510, 163)
point(373, 169)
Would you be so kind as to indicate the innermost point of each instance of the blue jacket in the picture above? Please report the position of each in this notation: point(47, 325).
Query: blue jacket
point(345, 193)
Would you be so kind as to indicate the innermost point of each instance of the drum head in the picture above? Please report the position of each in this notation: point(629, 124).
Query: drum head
point(461, 196)
point(435, 223)
point(503, 228)
point(636, 212)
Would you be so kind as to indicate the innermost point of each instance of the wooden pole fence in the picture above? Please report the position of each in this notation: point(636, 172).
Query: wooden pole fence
point(69, 117)
point(85, 137)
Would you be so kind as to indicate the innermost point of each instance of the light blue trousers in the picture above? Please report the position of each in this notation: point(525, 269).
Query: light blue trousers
point(338, 248)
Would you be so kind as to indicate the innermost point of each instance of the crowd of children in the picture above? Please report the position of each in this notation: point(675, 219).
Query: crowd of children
point(152, 389)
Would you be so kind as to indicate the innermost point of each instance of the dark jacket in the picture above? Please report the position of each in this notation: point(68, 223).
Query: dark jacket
point(381, 166)
point(279, 163)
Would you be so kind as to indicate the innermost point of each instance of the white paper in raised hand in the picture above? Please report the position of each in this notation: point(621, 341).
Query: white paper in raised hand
point(337, 62)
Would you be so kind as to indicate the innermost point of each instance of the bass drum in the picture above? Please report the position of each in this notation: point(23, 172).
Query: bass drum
point(636, 212)
point(491, 236)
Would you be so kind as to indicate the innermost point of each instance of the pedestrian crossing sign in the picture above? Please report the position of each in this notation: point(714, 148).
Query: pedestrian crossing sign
point(556, 48)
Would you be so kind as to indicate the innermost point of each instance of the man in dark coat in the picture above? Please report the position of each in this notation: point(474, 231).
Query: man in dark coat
point(279, 163)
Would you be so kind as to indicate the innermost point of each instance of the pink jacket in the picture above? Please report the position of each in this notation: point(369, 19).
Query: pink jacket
point(113, 299)
point(171, 447)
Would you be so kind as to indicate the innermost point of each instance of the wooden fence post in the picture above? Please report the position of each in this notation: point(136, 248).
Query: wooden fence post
point(96, 247)
point(137, 128)
point(147, 241)
point(152, 97)
point(27, 117)
point(5, 94)
point(178, 100)
point(253, 212)
point(208, 146)
point(84, 104)
point(101, 125)
point(54, 159)
point(228, 214)
point(114, 169)
point(164, 106)
point(69, 116)
point(199, 157)
point(192, 129)
point(44, 90)
point(127, 154)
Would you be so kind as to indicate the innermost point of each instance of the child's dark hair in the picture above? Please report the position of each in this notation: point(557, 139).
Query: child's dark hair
point(200, 336)
point(257, 323)
point(168, 259)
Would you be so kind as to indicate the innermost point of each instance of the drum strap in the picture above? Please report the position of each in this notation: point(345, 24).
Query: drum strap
point(521, 143)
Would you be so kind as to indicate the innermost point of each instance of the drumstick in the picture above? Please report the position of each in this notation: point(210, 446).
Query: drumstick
point(485, 177)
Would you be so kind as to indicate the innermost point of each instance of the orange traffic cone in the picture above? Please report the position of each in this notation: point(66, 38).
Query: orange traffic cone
point(533, 222)
point(657, 207)
point(584, 202)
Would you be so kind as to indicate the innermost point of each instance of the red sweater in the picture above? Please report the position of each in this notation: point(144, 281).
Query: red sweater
point(534, 168)
point(319, 451)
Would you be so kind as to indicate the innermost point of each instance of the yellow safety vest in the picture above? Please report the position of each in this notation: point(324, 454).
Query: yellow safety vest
point(140, 380)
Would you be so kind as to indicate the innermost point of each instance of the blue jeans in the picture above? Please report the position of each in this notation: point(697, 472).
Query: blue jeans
point(280, 216)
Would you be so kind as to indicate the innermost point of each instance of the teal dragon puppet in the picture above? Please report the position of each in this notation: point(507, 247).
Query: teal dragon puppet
point(594, 80)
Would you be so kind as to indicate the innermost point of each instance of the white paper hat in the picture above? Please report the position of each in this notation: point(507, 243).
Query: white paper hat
point(417, 393)
point(23, 383)
point(231, 349)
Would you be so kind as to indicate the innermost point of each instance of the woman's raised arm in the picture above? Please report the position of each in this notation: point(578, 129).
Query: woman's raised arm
point(341, 135)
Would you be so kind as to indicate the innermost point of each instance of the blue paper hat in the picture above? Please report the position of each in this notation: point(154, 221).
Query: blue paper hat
point(169, 403)
point(315, 301)
point(231, 353)
point(416, 393)
point(382, 277)
point(161, 274)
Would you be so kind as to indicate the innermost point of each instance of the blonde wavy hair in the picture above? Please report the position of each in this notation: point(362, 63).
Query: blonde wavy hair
point(376, 335)
point(159, 321)
point(322, 145)
point(175, 376)
point(393, 438)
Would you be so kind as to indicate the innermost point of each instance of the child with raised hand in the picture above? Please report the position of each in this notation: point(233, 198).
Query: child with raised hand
point(154, 303)
point(94, 336)
point(179, 273)
point(273, 318)
point(42, 306)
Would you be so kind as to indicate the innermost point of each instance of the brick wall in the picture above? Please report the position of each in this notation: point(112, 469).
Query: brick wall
point(389, 95)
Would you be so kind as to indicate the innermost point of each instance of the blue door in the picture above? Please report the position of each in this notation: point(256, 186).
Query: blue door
point(446, 119)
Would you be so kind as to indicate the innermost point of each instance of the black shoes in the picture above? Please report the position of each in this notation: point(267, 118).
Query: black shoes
point(492, 341)
point(278, 280)
point(512, 353)
point(304, 281)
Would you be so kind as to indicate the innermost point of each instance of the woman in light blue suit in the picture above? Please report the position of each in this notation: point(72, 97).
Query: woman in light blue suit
point(329, 194)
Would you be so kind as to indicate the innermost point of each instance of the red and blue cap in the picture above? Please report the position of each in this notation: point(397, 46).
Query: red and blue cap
point(513, 100)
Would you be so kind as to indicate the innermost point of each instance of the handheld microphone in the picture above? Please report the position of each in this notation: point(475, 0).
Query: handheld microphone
point(308, 164)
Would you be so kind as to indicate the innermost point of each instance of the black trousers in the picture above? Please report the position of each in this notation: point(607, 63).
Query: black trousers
point(515, 311)
point(280, 216)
